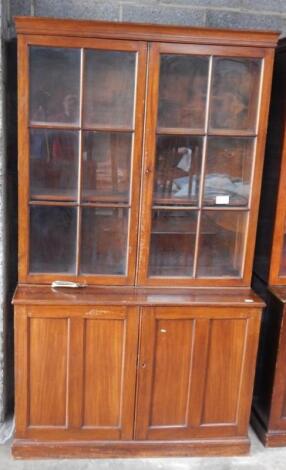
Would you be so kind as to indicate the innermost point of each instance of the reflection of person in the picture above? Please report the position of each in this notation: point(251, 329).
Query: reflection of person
point(233, 94)
point(182, 97)
point(39, 109)
point(70, 109)
point(39, 145)
point(64, 143)
point(231, 111)
point(45, 144)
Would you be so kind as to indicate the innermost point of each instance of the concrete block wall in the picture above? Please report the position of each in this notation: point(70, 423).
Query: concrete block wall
point(246, 14)
point(256, 14)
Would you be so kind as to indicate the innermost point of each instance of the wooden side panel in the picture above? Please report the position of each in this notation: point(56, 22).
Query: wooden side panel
point(48, 360)
point(277, 419)
point(103, 372)
point(224, 368)
point(171, 379)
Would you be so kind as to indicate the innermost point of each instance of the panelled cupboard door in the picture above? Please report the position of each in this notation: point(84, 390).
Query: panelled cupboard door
point(80, 150)
point(195, 372)
point(277, 418)
point(204, 144)
point(75, 372)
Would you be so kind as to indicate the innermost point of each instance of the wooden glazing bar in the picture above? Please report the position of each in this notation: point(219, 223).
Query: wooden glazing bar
point(78, 234)
point(203, 168)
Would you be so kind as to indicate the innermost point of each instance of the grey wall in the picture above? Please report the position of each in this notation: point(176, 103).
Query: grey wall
point(258, 14)
point(253, 14)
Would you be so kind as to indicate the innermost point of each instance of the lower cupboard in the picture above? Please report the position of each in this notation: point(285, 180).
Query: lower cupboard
point(127, 380)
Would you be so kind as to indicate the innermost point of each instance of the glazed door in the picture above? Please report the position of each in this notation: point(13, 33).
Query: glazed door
point(81, 124)
point(75, 372)
point(203, 159)
point(196, 367)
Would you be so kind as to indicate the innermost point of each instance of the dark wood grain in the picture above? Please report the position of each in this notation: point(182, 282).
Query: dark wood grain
point(50, 26)
point(168, 375)
point(45, 295)
point(77, 449)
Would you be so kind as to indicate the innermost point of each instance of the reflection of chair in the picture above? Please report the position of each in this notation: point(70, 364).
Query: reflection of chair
point(173, 242)
point(110, 235)
point(168, 171)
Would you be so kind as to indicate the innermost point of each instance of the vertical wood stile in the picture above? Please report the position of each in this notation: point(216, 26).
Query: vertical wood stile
point(80, 147)
point(204, 155)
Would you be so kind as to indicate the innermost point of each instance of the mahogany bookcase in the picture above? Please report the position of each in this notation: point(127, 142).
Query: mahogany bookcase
point(140, 162)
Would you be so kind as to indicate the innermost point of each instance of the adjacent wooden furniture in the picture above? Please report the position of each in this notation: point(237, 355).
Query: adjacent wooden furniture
point(140, 161)
point(268, 417)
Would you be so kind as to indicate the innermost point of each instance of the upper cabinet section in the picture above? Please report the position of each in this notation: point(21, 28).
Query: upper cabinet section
point(94, 134)
point(204, 146)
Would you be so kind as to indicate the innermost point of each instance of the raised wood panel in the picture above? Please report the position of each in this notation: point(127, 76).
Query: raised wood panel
point(284, 409)
point(195, 372)
point(277, 417)
point(172, 372)
point(48, 360)
point(103, 372)
point(224, 368)
point(76, 372)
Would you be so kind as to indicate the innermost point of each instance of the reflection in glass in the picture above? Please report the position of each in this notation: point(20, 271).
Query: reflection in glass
point(53, 164)
point(228, 171)
point(52, 239)
point(178, 166)
point(234, 95)
point(173, 238)
point(182, 91)
point(104, 241)
point(109, 88)
point(106, 165)
point(54, 85)
point(222, 239)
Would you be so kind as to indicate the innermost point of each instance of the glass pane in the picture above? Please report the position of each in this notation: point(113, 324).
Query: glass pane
point(221, 248)
point(109, 88)
point(106, 166)
point(234, 95)
point(178, 167)
point(228, 171)
point(182, 91)
point(172, 243)
point(53, 164)
point(104, 240)
point(52, 239)
point(54, 85)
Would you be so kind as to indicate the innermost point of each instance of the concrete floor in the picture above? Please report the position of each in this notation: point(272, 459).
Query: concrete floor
point(259, 459)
